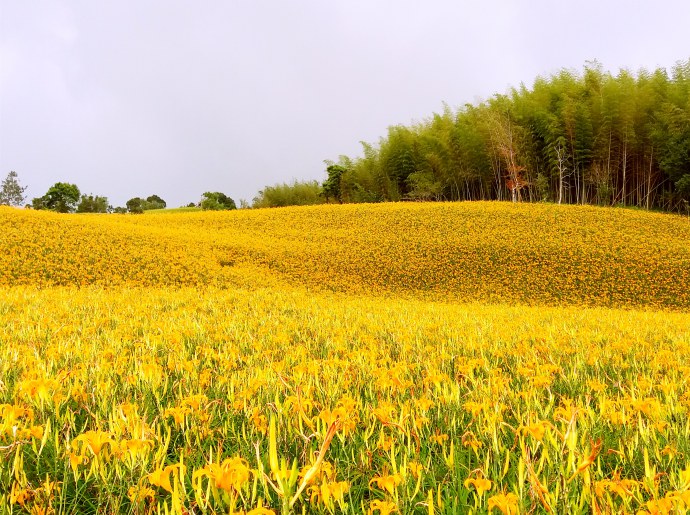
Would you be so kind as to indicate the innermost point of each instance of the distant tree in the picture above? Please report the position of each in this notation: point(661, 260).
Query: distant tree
point(61, 197)
point(331, 186)
point(139, 205)
point(504, 138)
point(191, 204)
point(38, 203)
point(216, 201)
point(11, 192)
point(136, 205)
point(93, 204)
point(120, 210)
point(155, 202)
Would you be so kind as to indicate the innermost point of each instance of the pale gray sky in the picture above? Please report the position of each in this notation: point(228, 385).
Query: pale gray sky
point(132, 98)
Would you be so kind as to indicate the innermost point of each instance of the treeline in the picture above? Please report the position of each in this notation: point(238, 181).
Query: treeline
point(585, 138)
point(63, 197)
point(297, 193)
point(575, 138)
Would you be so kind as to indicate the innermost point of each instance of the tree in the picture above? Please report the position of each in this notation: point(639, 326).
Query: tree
point(563, 172)
point(155, 202)
point(139, 205)
point(423, 186)
point(93, 204)
point(216, 201)
point(61, 197)
point(38, 203)
point(365, 180)
point(11, 193)
point(504, 136)
point(136, 205)
point(331, 186)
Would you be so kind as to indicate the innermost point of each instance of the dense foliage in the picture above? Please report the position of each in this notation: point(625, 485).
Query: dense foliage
point(138, 205)
point(216, 201)
point(588, 138)
point(61, 197)
point(93, 204)
point(299, 193)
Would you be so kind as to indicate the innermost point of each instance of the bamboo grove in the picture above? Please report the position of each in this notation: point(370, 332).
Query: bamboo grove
point(579, 138)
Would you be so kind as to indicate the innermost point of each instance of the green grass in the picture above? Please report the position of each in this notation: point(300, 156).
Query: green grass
point(174, 210)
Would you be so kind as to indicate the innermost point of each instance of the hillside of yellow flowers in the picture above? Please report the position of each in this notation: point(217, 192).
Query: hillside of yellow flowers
point(481, 251)
point(370, 359)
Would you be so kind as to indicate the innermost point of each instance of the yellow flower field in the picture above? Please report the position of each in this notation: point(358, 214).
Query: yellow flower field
point(322, 360)
point(476, 251)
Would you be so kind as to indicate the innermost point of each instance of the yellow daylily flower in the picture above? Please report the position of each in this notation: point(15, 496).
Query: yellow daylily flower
point(481, 485)
point(506, 503)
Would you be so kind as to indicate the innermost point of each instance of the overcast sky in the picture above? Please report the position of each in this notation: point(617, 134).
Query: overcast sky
point(132, 98)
